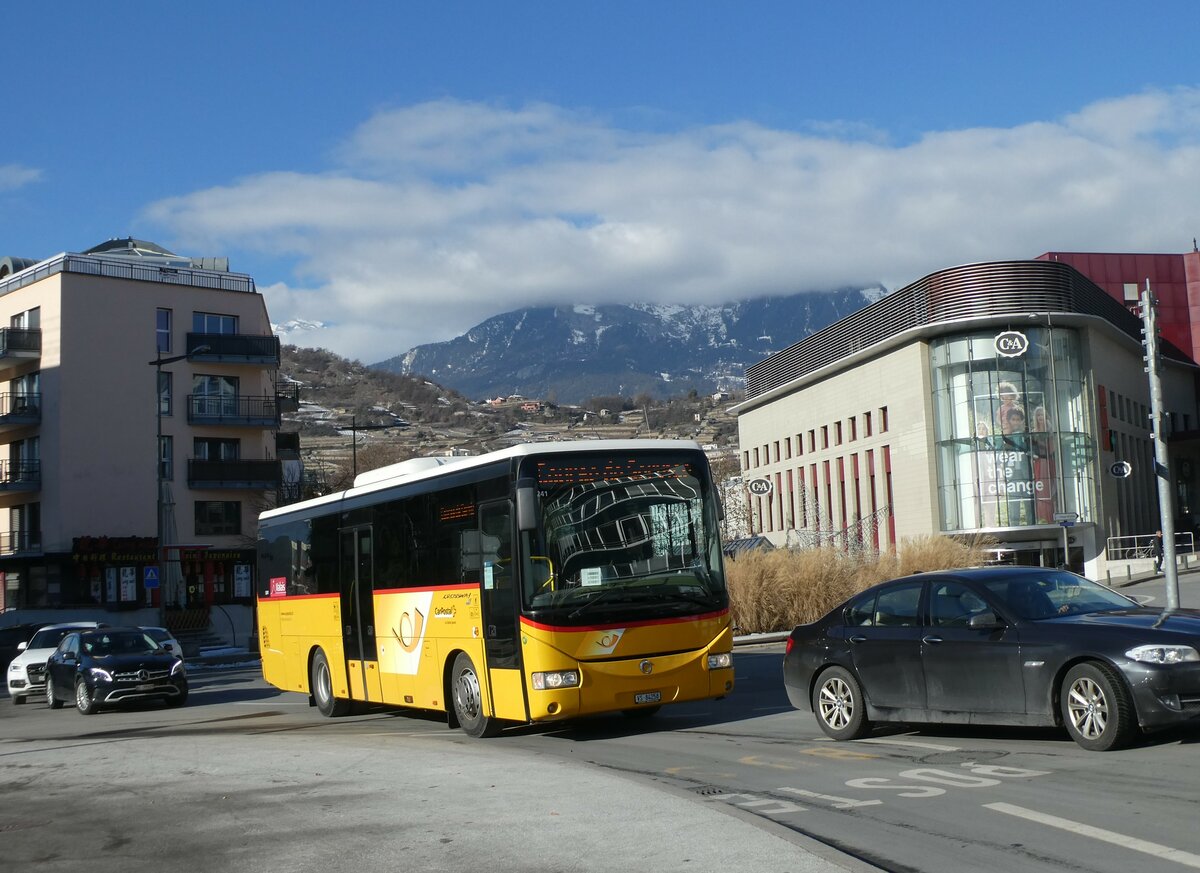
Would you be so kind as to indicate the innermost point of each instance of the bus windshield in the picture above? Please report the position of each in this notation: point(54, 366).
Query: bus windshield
point(623, 537)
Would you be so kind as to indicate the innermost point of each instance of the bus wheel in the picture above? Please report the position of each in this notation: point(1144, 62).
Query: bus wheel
point(468, 700)
point(321, 685)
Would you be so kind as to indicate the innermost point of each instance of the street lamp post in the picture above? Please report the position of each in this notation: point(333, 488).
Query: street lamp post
point(158, 363)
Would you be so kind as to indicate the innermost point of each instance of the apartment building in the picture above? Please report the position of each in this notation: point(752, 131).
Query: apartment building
point(138, 410)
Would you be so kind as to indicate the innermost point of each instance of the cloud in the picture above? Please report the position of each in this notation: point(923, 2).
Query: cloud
point(14, 176)
point(433, 217)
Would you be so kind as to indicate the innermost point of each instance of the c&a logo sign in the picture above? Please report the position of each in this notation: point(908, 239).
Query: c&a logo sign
point(1011, 344)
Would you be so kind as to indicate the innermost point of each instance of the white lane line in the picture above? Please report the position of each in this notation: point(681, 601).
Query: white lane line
point(1158, 850)
point(890, 742)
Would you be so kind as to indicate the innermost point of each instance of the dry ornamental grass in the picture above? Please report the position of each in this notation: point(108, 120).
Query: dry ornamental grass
point(777, 590)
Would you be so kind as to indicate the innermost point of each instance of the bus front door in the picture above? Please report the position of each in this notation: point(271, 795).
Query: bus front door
point(358, 613)
point(499, 602)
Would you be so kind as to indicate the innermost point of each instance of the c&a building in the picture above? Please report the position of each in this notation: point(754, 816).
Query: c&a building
point(991, 398)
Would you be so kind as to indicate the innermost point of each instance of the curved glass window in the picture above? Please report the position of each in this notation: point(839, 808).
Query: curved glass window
point(1013, 446)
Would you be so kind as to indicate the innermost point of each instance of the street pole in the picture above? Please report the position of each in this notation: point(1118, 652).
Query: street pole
point(1161, 467)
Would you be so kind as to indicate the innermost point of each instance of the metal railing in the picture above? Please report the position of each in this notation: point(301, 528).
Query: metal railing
point(233, 474)
point(1130, 548)
point(12, 542)
point(124, 269)
point(23, 405)
point(20, 475)
point(236, 348)
point(20, 342)
point(237, 410)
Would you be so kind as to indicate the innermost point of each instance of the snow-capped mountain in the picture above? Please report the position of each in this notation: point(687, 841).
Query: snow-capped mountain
point(296, 329)
point(573, 353)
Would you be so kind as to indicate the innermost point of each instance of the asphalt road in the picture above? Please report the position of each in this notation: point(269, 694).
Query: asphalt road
point(247, 777)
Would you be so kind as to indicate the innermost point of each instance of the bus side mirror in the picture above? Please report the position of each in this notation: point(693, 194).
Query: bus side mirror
point(527, 505)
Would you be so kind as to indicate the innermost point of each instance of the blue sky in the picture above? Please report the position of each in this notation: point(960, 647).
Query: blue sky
point(401, 171)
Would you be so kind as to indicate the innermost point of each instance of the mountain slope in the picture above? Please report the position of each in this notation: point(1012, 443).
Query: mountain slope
point(570, 354)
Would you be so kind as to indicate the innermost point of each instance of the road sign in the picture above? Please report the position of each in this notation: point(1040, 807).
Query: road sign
point(760, 487)
point(1121, 469)
point(150, 577)
point(1066, 519)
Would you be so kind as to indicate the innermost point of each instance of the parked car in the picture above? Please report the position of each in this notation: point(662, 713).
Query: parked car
point(26, 673)
point(998, 645)
point(12, 636)
point(164, 638)
point(110, 666)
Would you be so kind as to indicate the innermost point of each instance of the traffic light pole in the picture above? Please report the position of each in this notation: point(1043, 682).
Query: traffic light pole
point(1161, 469)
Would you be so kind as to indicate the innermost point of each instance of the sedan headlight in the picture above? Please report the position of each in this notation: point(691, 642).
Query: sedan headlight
point(14, 667)
point(720, 661)
point(555, 679)
point(100, 673)
point(1163, 654)
point(177, 669)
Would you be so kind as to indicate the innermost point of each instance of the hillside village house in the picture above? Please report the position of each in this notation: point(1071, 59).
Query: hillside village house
point(138, 411)
point(992, 398)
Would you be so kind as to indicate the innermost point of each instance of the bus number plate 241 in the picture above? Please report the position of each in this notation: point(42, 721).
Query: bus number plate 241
point(648, 697)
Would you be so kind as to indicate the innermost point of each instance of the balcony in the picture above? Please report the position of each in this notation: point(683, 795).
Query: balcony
point(233, 411)
point(20, 476)
point(19, 344)
point(288, 394)
point(19, 410)
point(20, 542)
point(233, 474)
point(235, 348)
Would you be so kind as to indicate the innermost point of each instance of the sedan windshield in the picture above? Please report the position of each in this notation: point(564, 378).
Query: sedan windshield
point(118, 643)
point(1053, 594)
point(48, 638)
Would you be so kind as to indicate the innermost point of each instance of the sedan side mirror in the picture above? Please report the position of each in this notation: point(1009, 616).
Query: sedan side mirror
point(985, 621)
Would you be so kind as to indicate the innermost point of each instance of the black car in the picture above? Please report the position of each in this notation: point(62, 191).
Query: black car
point(113, 665)
point(998, 645)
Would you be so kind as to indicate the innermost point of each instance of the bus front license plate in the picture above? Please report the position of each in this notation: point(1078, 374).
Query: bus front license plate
point(648, 697)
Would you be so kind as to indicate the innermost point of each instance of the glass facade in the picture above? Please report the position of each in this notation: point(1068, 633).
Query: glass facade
point(1012, 435)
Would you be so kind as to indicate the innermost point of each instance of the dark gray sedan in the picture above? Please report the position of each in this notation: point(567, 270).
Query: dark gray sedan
point(998, 645)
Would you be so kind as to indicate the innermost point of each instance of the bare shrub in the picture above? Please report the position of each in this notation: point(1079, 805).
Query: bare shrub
point(777, 590)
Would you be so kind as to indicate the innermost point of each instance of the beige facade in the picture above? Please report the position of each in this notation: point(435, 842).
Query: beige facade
point(79, 501)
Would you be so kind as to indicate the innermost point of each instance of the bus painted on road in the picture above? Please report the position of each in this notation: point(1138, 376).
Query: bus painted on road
point(534, 584)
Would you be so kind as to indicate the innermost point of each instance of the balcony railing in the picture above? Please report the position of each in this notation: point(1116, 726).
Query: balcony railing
point(289, 396)
point(237, 411)
point(235, 348)
point(19, 343)
point(233, 474)
point(20, 475)
point(19, 410)
point(16, 542)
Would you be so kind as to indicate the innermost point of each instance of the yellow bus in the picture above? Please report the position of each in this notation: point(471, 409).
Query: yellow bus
point(534, 584)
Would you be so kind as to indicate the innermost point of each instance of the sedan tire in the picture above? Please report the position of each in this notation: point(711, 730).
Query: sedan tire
point(1096, 708)
point(838, 704)
point(52, 700)
point(84, 701)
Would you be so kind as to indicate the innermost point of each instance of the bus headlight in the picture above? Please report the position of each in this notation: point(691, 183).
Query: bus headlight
point(555, 679)
point(720, 661)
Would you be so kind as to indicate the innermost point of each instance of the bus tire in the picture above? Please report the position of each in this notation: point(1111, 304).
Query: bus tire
point(321, 685)
point(467, 694)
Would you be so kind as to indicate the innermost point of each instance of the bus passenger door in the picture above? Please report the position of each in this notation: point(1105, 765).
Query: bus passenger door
point(358, 612)
point(499, 610)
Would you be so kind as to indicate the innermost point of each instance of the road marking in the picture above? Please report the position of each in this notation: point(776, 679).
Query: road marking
point(890, 742)
point(836, 752)
point(752, 760)
point(1158, 850)
point(838, 802)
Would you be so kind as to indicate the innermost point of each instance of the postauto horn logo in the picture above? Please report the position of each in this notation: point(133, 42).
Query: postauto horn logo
point(1011, 344)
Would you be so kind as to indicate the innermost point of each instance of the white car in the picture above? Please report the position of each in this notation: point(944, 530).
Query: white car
point(26, 673)
point(163, 637)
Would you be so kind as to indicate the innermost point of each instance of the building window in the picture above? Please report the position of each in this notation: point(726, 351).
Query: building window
point(745, 459)
point(866, 424)
point(837, 433)
point(787, 447)
point(164, 393)
point(218, 517)
point(775, 453)
point(799, 445)
point(756, 456)
point(853, 429)
point(210, 322)
point(166, 458)
point(883, 419)
point(1131, 292)
point(215, 449)
point(812, 440)
point(824, 436)
point(162, 330)
point(214, 395)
